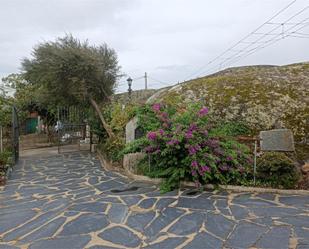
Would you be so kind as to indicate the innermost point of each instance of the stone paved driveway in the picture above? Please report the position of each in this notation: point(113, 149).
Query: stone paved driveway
point(69, 201)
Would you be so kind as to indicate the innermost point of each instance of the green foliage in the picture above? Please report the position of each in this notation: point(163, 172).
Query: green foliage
point(278, 170)
point(71, 72)
point(182, 146)
point(5, 161)
point(117, 116)
point(231, 128)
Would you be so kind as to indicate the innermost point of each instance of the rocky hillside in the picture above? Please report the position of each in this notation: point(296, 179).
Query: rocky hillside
point(263, 96)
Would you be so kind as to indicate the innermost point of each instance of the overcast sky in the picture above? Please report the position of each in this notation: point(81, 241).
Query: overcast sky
point(169, 39)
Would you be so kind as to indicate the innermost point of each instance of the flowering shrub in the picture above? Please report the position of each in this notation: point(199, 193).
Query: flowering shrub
point(182, 146)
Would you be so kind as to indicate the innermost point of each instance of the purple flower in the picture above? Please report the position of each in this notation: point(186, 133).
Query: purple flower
point(205, 133)
point(193, 172)
point(194, 164)
point(203, 112)
point(161, 131)
point(152, 135)
point(149, 149)
point(205, 169)
point(229, 158)
point(156, 107)
point(193, 149)
point(172, 142)
point(164, 115)
point(189, 134)
point(193, 127)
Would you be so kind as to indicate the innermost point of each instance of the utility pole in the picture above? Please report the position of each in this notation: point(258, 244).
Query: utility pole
point(146, 81)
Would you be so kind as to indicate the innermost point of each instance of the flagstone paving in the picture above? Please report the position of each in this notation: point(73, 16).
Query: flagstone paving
point(69, 201)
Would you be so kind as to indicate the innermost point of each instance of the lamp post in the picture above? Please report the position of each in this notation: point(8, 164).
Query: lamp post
point(130, 89)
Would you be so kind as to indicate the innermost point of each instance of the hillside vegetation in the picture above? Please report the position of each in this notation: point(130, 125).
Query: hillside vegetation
point(263, 97)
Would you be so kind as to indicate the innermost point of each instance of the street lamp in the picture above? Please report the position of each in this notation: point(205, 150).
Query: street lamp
point(130, 89)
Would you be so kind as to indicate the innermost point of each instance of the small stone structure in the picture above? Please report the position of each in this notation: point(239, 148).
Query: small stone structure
point(277, 140)
point(130, 161)
point(130, 130)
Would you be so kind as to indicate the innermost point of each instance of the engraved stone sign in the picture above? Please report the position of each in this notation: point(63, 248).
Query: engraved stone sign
point(133, 131)
point(277, 140)
point(130, 130)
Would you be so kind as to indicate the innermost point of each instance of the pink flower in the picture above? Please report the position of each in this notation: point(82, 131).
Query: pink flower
point(161, 131)
point(205, 168)
point(203, 112)
point(194, 164)
point(156, 107)
point(172, 142)
point(152, 135)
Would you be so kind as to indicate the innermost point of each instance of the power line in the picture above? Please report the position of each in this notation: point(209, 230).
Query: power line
point(243, 40)
point(249, 50)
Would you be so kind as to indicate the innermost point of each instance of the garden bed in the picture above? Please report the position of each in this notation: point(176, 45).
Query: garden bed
point(106, 164)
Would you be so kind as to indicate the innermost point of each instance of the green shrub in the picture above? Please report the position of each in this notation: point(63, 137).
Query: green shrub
point(182, 146)
point(5, 162)
point(277, 170)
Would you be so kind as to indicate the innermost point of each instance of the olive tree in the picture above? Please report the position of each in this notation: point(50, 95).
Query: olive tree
point(71, 72)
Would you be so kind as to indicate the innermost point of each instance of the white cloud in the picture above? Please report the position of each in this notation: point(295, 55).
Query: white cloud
point(169, 39)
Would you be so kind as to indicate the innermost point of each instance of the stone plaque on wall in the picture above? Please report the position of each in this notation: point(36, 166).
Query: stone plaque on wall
point(277, 140)
point(130, 130)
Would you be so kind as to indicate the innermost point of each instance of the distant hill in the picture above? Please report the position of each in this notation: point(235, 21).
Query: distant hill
point(263, 96)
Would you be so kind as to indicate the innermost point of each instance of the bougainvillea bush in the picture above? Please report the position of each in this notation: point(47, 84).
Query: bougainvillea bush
point(182, 146)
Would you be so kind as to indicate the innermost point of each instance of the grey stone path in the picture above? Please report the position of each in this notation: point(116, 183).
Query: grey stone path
point(69, 201)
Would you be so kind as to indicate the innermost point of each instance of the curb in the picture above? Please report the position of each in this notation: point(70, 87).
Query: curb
point(106, 165)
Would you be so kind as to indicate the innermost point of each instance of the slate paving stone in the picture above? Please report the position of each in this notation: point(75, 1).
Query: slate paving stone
point(274, 211)
point(204, 240)
point(298, 201)
point(85, 223)
point(120, 236)
point(8, 247)
point(12, 220)
point(245, 235)
point(239, 212)
point(196, 203)
point(117, 213)
point(167, 243)
point(168, 215)
point(76, 242)
point(102, 247)
point(95, 207)
point(251, 202)
point(29, 226)
point(219, 225)
point(46, 231)
point(190, 223)
point(111, 184)
point(147, 203)
point(266, 196)
point(131, 200)
point(164, 202)
point(139, 221)
point(276, 238)
point(43, 193)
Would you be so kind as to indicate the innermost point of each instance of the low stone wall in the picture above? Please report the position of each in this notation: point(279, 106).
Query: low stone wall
point(130, 161)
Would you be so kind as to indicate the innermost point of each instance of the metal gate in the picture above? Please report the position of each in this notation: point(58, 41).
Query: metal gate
point(72, 129)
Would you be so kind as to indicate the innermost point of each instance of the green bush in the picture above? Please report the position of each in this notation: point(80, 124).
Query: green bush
point(182, 146)
point(5, 162)
point(277, 170)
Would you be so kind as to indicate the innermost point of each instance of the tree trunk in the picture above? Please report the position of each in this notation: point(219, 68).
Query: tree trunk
point(105, 125)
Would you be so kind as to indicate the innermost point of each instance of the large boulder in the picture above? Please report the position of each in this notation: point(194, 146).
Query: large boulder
point(264, 97)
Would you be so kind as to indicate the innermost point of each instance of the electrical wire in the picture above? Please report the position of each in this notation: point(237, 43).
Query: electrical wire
point(244, 39)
